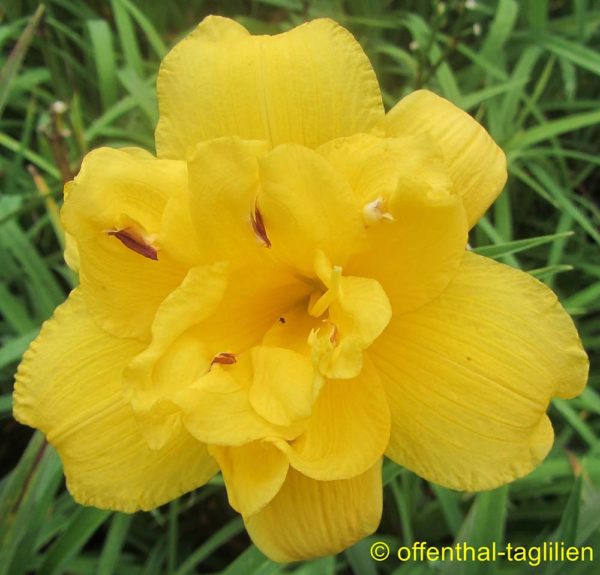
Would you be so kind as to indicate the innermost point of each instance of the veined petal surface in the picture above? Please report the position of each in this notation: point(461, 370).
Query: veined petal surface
point(476, 164)
point(309, 85)
point(469, 377)
point(69, 386)
point(310, 518)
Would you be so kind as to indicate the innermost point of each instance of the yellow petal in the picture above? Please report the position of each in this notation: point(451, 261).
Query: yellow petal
point(470, 375)
point(283, 386)
point(376, 167)
point(348, 431)
point(217, 410)
point(360, 314)
point(123, 192)
point(292, 329)
point(476, 164)
point(310, 518)
point(306, 207)
point(254, 300)
point(415, 256)
point(69, 386)
point(309, 85)
point(224, 182)
point(177, 354)
point(71, 252)
point(253, 474)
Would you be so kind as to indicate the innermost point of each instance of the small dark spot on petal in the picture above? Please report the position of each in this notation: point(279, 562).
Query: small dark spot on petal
point(224, 358)
point(469, 358)
point(281, 320)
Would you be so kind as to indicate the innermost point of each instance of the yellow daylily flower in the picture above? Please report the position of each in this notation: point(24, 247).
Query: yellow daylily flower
point(284, 294)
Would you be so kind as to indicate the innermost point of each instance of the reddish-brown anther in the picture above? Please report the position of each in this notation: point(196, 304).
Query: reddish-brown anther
point(224, 358)
point(133, 241)
point(258, 225)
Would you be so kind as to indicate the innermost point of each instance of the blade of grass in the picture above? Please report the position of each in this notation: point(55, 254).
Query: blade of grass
point(127, 37)
point(15, 59)
point(104, 59)
point(516, 246)
point(115, 539)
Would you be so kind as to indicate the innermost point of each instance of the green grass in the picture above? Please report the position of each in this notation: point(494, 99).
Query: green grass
point(528, 70)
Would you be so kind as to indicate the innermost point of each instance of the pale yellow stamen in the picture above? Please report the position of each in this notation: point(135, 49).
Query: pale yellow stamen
point(374, 212)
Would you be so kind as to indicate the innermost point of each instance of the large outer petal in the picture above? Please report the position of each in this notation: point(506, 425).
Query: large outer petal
point(69, 386)
point(114, 190)
point(309, 85)
point(309, 518)
point(476, 164)
point(470, 375)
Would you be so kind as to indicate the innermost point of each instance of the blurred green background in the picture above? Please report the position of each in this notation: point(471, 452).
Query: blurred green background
point(80, 74)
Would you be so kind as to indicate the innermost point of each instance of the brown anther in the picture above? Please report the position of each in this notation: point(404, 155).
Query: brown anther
point(258, 225)
point(224, 358)
point(129, 238)
point(333, 336)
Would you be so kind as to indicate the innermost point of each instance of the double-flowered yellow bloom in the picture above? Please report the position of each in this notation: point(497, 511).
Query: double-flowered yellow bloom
point(284, 293)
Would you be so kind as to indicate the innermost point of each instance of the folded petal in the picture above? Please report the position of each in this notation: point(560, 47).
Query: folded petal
point(307, 207)
point(375, 167)
point(415, 255)
point(284, 385)
point(310, 518)
point(476, 164)
point(224, 182)
point(113, 209)
point(217, 410)
point(357, 316)
point(470, 375)
point(215, 310)
point(254, 300)
point(309, 85)
point(348, 431)
point(177, 355)
point(251, 486)
point(69, 386)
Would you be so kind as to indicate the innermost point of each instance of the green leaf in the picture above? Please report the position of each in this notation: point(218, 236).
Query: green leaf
point(82, 526)
point(219, 538)
point(104, 58)
point(573, 52)
point(483, 527)
point(551, 129)
point(127, 37)
point(115, 539)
